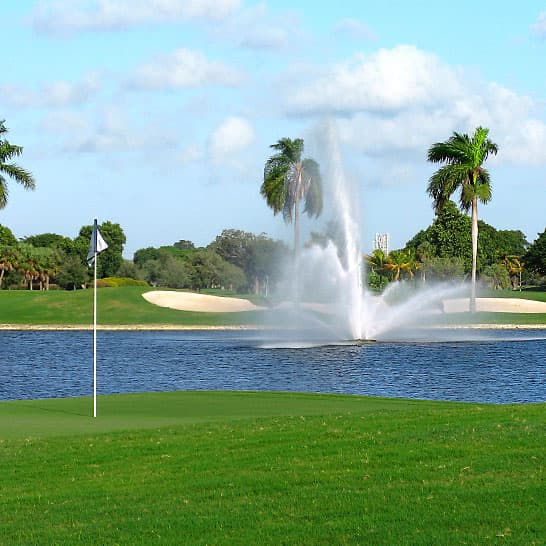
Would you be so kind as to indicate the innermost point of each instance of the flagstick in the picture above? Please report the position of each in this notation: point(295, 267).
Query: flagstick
point(95, 339)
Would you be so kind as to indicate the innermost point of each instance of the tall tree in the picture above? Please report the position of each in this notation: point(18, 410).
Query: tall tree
point(290, 180)
point(112, 258)
point(8, 260)
point(463, 158)
point(7, 168)
point(535, 258)
point(401, 263)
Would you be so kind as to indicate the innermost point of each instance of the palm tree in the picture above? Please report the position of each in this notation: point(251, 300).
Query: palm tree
point(8, 260)
point(514, 266)
point(401, 262)
point(289, 180)
point(463, 159)
point(377, 260)
point(12, 170)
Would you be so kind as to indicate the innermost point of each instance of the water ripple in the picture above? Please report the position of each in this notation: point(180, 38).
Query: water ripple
point(508, 367)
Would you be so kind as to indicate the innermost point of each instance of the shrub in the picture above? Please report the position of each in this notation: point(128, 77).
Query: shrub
point(119, 281)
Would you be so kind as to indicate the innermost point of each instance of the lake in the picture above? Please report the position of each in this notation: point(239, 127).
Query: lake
point(492, 367)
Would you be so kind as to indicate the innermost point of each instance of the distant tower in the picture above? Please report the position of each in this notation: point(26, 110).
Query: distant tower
point(381, 242)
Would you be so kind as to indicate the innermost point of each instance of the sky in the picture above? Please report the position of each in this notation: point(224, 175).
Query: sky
point(159, 114)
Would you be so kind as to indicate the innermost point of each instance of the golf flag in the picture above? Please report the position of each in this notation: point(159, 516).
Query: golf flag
point(96, 245)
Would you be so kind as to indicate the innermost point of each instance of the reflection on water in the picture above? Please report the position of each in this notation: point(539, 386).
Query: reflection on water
point(497, 366)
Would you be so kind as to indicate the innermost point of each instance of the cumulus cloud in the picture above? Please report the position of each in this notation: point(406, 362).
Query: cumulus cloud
point(183, 68)
point(232, 137)
point(355, 28)
point(386, 81)
point(254, 27)
point(400, 101)
point(51, 95)
point(539, 28)
point(54, 16)
point(106, 131)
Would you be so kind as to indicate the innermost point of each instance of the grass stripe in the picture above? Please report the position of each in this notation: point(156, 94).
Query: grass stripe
point(271, 468)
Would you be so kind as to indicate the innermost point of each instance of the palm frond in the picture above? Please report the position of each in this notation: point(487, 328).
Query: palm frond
point(454, 150)
point(484, 191)
point(3, 193)
point(313, 183)
point(444, 182)
point(18, 174)
point(482, 146)
point(468, 192)
point(289, 149)
point(273, 188)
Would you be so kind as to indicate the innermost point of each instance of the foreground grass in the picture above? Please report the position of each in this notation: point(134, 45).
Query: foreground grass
point(249, 468)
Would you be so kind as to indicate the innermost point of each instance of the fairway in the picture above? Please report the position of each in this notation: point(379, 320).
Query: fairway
point(270, 468)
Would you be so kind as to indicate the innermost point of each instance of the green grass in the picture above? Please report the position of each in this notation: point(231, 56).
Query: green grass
point(126, 306)
point(520, 319)
point(271, 468)
point(120, 305)
point(528, 294)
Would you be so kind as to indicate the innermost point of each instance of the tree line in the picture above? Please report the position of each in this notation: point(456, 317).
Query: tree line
point(446, 249)
point(443, 252)
point(236, 260)
point(38, 261)
point(243, 261)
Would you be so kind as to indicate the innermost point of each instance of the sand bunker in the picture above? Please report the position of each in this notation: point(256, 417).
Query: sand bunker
point(189, 301)
point(495, 305)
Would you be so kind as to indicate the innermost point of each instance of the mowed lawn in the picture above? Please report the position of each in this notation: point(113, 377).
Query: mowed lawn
point(271, 468)
point(116, 306)
point(126, 306)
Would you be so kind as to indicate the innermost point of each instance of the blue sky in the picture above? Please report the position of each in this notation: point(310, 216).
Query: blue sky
point(158, 114)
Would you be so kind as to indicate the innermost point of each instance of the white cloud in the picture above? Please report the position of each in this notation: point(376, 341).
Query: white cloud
point(265, 38)
point(388, 80)
point(106, 131)
point(254, 27)
point(400, 101)
point(539, 28)
point(232, 137)
point(51, 95)
point(183, 68)
point(355, 28)
point(77, 15)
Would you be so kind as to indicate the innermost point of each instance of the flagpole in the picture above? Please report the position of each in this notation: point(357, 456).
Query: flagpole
point(96, 245)
point(95, 337)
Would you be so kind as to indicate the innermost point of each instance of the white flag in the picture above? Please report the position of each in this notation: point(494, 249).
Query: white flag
point(96, 245)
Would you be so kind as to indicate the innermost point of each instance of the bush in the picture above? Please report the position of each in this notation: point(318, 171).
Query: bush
point(119, 281)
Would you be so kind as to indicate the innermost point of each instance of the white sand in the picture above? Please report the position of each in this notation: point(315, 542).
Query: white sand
point(189, 301)
point(495, 305)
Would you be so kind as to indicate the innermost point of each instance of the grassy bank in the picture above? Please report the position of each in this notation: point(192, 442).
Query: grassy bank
point(126, 306)
point(247, 468)
point(122, 305)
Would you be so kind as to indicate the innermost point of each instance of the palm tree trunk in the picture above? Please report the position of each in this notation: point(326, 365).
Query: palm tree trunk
point(474, 253)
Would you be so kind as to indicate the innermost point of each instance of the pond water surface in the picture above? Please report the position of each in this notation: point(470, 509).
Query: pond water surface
point(495, 367)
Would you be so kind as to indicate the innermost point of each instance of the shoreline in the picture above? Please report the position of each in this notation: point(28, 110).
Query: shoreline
point(124, 327)
point(241, 327)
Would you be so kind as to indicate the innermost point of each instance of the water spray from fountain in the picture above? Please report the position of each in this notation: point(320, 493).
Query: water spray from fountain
point(330, 303)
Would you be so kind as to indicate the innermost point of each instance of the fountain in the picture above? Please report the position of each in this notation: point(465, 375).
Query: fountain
point(332, 304)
